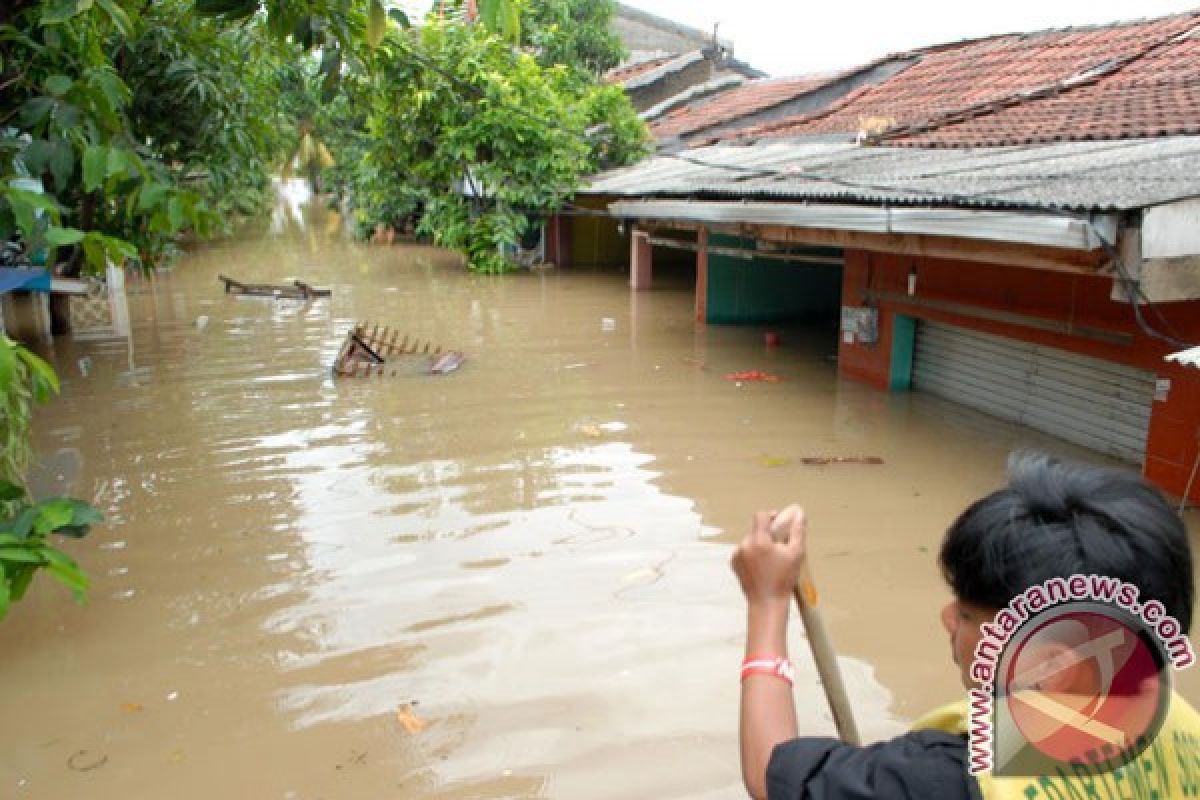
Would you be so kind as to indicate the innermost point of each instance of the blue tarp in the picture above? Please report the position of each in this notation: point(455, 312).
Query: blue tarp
point(12, 278)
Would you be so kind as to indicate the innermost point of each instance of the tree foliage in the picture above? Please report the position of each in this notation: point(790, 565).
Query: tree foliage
point(138, 120)
point(574, 33)
point(482, 137)
point(25, 527)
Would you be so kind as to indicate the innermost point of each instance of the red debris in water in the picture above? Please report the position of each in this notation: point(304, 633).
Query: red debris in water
point(752, 376)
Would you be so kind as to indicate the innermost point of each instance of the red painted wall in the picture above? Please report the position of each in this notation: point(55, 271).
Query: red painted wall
point(1081, 300)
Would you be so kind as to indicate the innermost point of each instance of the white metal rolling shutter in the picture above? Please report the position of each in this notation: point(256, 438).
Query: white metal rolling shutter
point(1088, 401)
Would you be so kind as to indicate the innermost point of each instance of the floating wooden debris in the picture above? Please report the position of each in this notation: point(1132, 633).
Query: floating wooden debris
point(370, 352)
point(296, 289)
point(821, 461)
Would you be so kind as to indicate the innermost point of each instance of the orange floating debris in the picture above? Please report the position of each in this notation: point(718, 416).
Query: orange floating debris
point(751, 376)
point(409, 720)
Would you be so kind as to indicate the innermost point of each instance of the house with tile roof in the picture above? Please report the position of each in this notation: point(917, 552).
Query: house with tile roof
point(671, 63)
point(1011, 224)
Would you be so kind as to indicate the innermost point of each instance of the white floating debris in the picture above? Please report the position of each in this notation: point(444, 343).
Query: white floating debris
point(202, 322)
point(172, 696)
point(608, 324)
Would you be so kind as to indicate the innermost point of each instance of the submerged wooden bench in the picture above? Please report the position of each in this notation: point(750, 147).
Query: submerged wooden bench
point(365, 354)
point(296, 289)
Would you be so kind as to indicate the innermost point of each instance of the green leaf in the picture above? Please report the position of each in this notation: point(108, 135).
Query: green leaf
point(10, 491)
point(39, 368)
point(23, 524)
point(399, 17)
point(25, 204)
point(21, 578)
point(36, 111)
point(95, 167)
point(94, 252)
point(36, 156)
point(63, 237)
point(84, 513)
point(151, 195)
point(61, 11)
point(57, 85)
point(376, 24)
point(5, 597)
point(175, 212)
point(52, 515)
point(20, 554)
point(118, 162)
point(120, 19)
point(64, 570)
point(8, 367)
point(62, 163)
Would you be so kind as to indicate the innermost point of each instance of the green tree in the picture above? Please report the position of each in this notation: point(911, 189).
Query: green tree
point(575, 33)
point(482, 137)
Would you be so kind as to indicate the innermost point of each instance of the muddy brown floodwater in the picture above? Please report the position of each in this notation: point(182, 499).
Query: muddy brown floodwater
point(511, 581)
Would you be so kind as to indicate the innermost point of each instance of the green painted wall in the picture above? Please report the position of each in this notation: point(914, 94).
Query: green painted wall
point(904, 336)
point(762, 290)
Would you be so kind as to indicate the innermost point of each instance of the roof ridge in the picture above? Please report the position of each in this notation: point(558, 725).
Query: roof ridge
point(1087, 78)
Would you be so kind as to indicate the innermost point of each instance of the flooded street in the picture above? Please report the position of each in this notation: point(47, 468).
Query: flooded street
point(510, 581)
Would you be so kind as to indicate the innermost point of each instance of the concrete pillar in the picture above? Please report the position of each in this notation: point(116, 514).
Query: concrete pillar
point(641, 260)
point(702, 275)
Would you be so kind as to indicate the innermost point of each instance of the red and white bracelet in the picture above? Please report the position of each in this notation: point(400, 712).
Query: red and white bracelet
point(769, 665)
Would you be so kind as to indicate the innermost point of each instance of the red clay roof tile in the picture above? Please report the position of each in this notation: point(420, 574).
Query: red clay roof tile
point(1010, 89)
point(733, 104)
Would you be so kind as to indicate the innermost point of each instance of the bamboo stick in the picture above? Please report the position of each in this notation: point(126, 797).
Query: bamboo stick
point(819, 641)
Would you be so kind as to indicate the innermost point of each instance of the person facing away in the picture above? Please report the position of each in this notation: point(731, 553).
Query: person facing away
point(1052, 520)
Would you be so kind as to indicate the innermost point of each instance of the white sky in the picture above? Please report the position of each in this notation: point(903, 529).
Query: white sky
point(791, 37)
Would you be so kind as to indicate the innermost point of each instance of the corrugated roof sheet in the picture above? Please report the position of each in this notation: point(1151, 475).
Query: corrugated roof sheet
point(1005, 71)
point(1079, 176)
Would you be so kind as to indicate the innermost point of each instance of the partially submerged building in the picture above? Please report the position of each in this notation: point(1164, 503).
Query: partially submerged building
point(1011, 223)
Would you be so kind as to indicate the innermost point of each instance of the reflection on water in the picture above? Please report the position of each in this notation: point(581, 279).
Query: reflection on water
point(528, 556)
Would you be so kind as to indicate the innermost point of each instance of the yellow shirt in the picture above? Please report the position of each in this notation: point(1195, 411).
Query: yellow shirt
point(1169, 769)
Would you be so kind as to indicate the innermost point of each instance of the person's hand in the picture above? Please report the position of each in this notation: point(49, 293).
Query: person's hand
point(766, 565)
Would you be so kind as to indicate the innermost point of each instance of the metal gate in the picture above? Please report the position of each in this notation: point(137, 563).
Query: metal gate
point(1088, 401)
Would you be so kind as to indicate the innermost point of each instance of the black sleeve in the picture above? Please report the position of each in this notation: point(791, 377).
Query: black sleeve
point(920, 765)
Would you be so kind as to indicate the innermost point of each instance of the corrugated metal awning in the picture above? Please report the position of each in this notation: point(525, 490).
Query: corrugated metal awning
point(1026, 227)
point(1070, 176)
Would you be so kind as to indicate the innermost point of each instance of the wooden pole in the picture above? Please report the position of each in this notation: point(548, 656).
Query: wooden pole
point(819, 642)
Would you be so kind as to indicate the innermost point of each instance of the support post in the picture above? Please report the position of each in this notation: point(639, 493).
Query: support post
point(641, 261)
point(702, 275)
point(558, 241)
